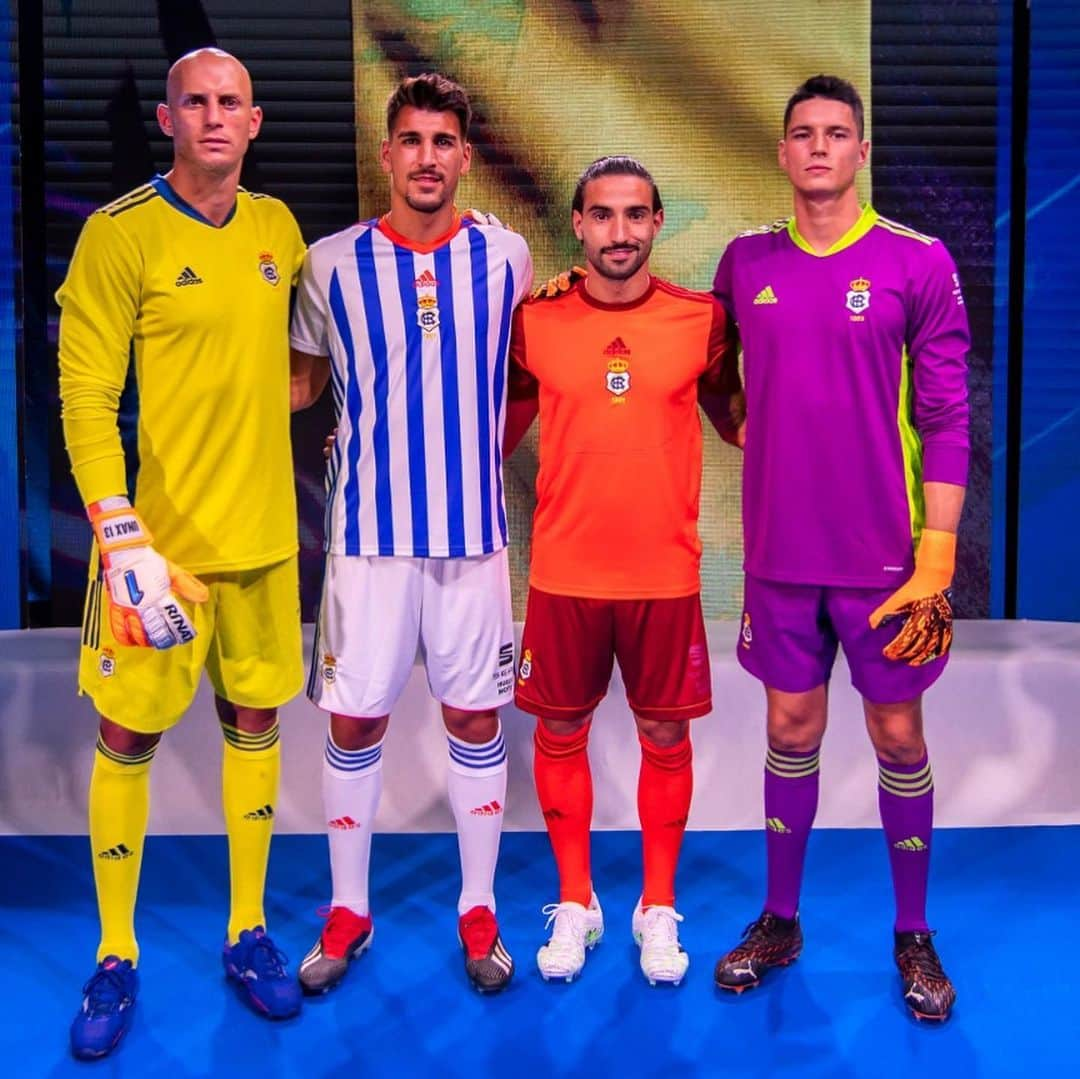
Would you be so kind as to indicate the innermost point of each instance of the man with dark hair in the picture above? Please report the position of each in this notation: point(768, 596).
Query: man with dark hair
point(616, 365)
point(431, 92)
point(855, 338)
point(191, 274)
point(409, 316)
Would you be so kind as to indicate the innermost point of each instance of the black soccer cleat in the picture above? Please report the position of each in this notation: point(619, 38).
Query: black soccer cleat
point(769, 942)
point(928, 993)
point(487, 962)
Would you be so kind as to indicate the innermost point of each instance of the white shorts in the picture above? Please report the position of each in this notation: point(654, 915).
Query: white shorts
point(376, 612)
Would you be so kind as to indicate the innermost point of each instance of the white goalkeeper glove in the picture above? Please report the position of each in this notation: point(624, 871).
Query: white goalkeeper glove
point(142, 585)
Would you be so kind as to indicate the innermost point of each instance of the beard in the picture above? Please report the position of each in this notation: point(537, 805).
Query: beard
point(625, 271)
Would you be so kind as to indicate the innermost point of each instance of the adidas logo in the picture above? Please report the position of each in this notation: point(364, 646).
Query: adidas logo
point(343, 824)
point(618, 347)
point(775, 824)
point(265, 812)
point(116, 854)
point(913, 843)
point(188, 277)
point(426, 280)
point(492, 809)
point(766, 295)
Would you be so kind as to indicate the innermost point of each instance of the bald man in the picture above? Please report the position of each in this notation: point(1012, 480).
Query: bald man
point(191, 274)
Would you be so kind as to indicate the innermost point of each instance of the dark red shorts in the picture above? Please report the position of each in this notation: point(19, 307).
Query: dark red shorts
point(569, 646)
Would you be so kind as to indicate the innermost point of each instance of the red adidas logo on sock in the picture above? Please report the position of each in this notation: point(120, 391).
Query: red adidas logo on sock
point(342, 823)
point(492, 809)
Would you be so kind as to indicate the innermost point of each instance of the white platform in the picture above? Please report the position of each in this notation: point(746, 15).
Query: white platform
point(1002, 727)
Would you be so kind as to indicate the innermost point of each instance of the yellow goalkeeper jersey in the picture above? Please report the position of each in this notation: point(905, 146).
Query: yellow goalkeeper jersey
point(205, 310)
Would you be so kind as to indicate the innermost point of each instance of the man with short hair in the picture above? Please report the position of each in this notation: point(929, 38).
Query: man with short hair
point(616, 365)
point(194, 273)
point(854, 339)
point(408, 316)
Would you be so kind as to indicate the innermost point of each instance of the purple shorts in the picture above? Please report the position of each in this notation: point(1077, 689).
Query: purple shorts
point(790, 633)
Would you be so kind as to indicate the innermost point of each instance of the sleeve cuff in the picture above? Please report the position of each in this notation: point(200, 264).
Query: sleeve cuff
point(946, 464)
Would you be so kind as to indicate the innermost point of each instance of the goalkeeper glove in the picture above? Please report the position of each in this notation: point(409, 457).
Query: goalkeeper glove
point(142, 585)
point(923, 602)
point(561, 282)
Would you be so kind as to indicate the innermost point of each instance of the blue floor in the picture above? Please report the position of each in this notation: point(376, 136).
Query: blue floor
point(1005, 902)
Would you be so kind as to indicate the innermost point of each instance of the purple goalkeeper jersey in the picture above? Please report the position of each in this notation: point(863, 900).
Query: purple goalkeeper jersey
point(855, 372)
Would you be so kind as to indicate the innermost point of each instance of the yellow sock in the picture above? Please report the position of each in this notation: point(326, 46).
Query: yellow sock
point(119, 807)
point(249, 785)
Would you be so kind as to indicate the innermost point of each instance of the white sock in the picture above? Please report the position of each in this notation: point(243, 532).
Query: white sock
point(351, 785)
point(476, 782)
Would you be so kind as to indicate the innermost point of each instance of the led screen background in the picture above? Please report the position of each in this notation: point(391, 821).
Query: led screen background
point(695, 89)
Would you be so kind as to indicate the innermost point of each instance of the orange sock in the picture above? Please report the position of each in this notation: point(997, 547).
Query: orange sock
point(564, 788)
point(665, 786)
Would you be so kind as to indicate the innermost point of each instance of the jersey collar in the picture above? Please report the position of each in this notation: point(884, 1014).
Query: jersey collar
point(168, 193)
point(391, 233)
point(862, 226)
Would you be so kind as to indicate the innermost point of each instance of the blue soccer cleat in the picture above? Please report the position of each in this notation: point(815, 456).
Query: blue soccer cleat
point(258, 968)
point(108, 1007)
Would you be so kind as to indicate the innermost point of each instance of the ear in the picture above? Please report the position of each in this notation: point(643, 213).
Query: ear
point(256, 122)
point(164, 119)
point(864, 153)
point(575, 219)
point(384, 156)
point(658, 220)
point(781, 154)
point(466, 157)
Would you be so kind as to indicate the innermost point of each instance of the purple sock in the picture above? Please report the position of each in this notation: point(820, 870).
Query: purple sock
point(791, 798)
point(906, 801)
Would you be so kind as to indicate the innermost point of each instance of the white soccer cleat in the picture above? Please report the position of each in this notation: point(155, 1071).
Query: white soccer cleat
point(656, 931)
point(574, 929)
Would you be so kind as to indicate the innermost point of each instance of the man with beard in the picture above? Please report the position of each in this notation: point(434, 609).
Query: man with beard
point(616, 364)
point(408, 316)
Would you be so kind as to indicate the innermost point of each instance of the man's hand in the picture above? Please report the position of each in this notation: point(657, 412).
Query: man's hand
point(561, 282)
point(482, 218)
point(923, 603)
point(328, 445)
point(142, 585)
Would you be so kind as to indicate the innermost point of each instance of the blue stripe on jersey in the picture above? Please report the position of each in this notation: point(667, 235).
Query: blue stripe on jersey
point(479, 263)
point(352, 760)
point(354, 404)
point(414, 402)
point(333, 465)
point(497, 386)
point(455, 495)
point(468, 755)
point(380, 435)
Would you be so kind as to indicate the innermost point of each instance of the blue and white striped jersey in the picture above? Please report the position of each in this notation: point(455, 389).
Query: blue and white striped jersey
point(417, 338)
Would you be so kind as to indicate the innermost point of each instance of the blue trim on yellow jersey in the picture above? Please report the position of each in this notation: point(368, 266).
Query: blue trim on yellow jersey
point(167, 192)
point(455, 492)
point(479, 263)
point(414, 402)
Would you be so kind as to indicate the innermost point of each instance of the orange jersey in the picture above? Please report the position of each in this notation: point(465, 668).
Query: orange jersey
point(620, 438)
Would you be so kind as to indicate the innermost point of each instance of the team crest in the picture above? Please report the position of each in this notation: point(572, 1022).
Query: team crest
point(525, 670)
point(268, 268)
point(107, 663)
point(617, 376)
point(329, 669)
point(746, 634)
point(427, 314)
point(858, 298)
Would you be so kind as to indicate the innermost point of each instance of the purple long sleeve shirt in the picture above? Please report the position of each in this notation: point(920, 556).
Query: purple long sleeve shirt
point(855, 367)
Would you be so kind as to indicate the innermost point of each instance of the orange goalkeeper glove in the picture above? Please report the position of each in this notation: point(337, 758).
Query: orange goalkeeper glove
point(923, 603)
point(142, 585)
point(561, 282)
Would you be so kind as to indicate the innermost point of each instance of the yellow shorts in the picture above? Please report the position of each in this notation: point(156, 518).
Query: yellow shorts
point(247, 638)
